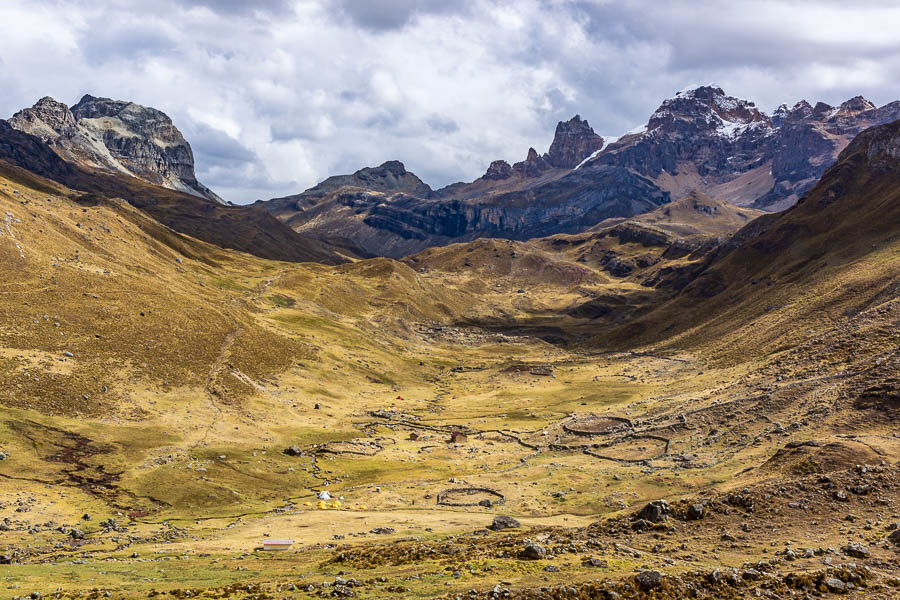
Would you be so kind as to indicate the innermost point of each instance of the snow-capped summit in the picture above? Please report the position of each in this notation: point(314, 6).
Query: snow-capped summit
point(706, 108)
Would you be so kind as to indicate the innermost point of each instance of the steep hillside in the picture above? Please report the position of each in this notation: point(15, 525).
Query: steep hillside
point(101, 302)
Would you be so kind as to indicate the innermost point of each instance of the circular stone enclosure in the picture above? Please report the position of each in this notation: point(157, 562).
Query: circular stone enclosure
point(469, 496)
point(596, 425)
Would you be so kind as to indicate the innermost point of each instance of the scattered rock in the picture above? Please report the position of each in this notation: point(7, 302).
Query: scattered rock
point(293, 451)
point(593, 561)
point(856, 550)
point(641, 525)
point(835, 586)
point(695, 512)
point(533, 551)
point(648, 580)
point(655, 512)
point(502, 522)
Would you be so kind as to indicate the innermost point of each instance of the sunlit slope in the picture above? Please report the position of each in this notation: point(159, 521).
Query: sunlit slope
point(98, 299)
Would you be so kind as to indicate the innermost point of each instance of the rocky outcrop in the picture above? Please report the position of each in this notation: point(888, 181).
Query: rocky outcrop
point(30, 153)
point(388, 178)
point(116, 136)
point(499, 169)
point(532, 166)
point(574, 141)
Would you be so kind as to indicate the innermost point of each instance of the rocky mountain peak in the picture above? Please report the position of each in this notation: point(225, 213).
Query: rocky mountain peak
point(573, 141)
point(389, 177)
point(499, 169)
point(533, 165)
point(47, 119)
point(821, 109)
point(708, 109)
point(854, 105)
point(117, 136)
point(783, 114)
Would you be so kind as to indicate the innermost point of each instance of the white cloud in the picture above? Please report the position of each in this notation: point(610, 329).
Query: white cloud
point(277, 95)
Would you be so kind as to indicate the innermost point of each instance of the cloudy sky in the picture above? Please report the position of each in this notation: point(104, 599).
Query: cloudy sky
point(275, 95)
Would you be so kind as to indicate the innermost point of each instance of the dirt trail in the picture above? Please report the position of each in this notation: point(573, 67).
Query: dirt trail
point(215, 369)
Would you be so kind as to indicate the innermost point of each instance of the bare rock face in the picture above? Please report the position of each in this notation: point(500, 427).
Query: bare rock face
point(574, 141)
point(532, 166)
point(116, 136)
point(499, 169)
point(47, 119)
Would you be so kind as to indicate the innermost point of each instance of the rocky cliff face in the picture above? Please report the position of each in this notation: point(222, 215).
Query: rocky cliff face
point(116, 136)
point(573, 142)
point(398, 223)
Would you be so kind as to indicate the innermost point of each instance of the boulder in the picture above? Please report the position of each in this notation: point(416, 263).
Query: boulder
point(655, 512)
point(648, 580)
point(533, 551)
point(835, 585)
point(502, 522)
point(695, 512)
point(856, 550)
point(894, 537)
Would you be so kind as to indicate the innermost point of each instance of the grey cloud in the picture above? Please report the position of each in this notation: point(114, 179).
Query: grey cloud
point(441, 124)
point(127, 43)
point(242, 7)
point(381, 15)
point(217, 148)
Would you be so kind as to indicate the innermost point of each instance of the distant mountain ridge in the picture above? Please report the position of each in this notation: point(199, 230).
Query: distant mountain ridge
point(724, 146)
point(116, 136)
point(701, 140)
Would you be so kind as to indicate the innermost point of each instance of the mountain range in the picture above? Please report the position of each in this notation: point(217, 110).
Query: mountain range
point(701, 139)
